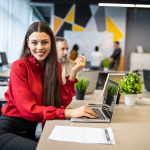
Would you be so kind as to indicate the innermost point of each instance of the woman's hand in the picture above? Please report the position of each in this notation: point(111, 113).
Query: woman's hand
point(80, 112)
point(80, 63)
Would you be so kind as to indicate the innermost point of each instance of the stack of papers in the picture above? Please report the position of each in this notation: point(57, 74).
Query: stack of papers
point(82, 135)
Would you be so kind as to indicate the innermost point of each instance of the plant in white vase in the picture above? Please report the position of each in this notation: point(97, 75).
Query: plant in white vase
point(106, 64)
point(130, 86)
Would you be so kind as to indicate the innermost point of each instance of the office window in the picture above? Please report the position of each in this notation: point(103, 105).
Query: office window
point(42, 12)
point(14, 18)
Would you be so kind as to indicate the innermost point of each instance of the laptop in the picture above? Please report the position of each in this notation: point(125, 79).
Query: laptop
point(105, 113)
point(92, 76)
point(146, 79)
point(112, 76)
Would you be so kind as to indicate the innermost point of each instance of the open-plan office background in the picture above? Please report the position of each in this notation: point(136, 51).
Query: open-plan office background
point(130, 26)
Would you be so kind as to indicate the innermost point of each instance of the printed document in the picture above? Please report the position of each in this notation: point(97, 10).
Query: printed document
point(82, 135)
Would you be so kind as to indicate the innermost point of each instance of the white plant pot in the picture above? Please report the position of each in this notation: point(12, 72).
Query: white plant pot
point(105, 69)
point(130, 99)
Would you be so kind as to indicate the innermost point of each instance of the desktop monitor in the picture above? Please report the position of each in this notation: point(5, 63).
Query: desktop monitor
point(146, 79)
point(3, 59)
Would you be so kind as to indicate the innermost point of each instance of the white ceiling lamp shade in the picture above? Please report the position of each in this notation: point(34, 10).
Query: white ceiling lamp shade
point(116, 5)
point(123, 5)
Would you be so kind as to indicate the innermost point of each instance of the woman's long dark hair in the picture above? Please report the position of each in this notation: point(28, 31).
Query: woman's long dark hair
point(51, 85)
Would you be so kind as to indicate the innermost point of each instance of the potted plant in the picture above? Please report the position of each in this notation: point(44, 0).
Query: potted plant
point(111, 91)
point(130, 86)
point(106, 64)
point(81, 87)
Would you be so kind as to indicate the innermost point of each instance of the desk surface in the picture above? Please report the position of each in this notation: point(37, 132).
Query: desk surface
point(131, 127)
point(5, 73)
point(3, 89)
point(112, 71)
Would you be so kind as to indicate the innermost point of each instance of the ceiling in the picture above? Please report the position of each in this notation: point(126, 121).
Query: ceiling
point(93, 1)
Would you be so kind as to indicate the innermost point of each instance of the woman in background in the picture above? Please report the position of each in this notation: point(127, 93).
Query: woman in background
point(36, 92)
point(73, 55)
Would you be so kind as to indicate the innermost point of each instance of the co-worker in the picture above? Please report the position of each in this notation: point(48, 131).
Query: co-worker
point(115, 57)
point(73, 55)
point(62, 52)
point(36, 92)
point(96, 58)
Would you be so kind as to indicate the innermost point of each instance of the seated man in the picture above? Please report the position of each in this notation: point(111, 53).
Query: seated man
point(62, 51)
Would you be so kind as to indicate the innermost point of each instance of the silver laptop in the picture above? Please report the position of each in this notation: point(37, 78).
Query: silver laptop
point(105, 113)
point(112, 76)
point(92, 76)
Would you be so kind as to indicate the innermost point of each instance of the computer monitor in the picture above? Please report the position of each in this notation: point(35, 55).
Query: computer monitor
point(3, 59)
point(146, 79)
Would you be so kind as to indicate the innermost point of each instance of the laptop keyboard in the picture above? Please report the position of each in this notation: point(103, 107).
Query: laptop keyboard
point(99, 114)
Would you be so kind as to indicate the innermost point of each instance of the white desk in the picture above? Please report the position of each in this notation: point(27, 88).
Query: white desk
point(131, 127)
point(5, 74)
point(3, 89)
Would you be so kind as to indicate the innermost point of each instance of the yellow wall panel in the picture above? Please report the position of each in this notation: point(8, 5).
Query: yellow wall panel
point(77, 28)
point(111, 27)
point(57, 24)
point(70, 16)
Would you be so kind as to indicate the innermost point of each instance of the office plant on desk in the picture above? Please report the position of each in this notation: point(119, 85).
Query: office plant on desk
point(81, 87)
point(130, 86)
point(106, 64)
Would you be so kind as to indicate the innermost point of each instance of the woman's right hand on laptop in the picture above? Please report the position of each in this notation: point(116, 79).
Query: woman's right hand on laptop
point(80, 112)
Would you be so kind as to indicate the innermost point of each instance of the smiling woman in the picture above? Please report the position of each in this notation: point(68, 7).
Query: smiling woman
point(40, 45)
point(36, 92)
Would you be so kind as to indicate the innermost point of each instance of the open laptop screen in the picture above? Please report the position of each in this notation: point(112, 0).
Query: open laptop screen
point(110, 98)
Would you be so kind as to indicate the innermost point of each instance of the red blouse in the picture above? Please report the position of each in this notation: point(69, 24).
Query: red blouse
point(24, 94)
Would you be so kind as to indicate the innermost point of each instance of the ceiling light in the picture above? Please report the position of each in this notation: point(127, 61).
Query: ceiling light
point(116, 5)
point(142, 6)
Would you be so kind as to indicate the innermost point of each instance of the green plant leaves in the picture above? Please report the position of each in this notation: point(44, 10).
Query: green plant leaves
point(82, 84)
point(131, 84)
point(106, 62)
point(111, 89)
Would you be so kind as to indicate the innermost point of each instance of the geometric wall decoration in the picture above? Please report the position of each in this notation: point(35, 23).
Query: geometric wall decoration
point(65, 26)
point(111, 27)
point(91, 18)
point(100, 19)
point(91, 25)
point(62, 10)
point(57, 23)
point(70, 15)
point(82, 14)
point(77, 28)
point(93, 9)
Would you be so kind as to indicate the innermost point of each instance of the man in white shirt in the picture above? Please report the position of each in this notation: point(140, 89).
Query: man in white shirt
point(62, 51)
point(96, 58)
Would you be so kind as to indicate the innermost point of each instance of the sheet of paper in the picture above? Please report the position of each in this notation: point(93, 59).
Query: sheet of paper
point(82, 135)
